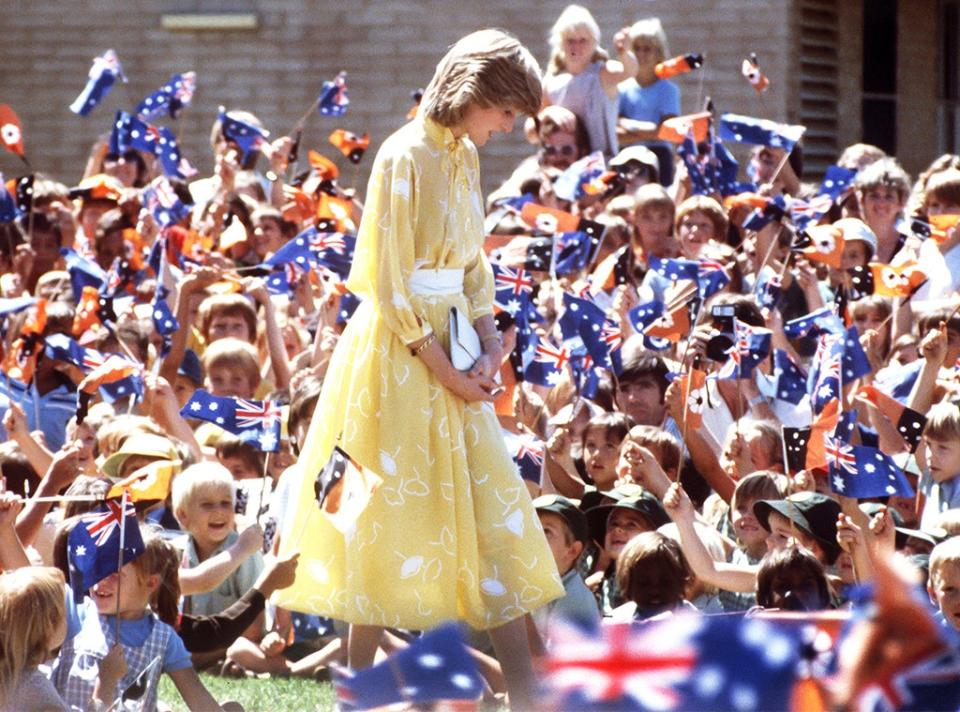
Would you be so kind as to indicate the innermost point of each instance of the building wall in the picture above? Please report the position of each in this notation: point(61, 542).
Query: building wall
point(389, 48)
point(917, 76)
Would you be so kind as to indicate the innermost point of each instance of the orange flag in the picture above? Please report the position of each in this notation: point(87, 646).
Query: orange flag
point(941, 225)
point(675, 129)
point(21, 361)
point(337, 210)
point(548, 220)
point(896, 280)
point(149, 483)
point(678, 65)
point(825, 423)
point(114, 368)
point(350, 145)
point(693, 392)
point(821, 243)
point(325, 168)
point(673, 325)
point(751, 72)
point(10, 131)
point(88, 311)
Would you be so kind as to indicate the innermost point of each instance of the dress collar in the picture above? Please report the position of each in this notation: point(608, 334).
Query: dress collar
point(442, 135)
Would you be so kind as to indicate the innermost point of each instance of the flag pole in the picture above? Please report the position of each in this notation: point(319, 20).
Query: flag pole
point(123, 539)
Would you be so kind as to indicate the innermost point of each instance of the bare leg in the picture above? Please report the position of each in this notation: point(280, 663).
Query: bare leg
point(513, 651)
point(362, 646)
point(248, 654)
point(308, 665)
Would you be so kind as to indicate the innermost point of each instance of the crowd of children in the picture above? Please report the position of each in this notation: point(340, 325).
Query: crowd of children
point(767, 347)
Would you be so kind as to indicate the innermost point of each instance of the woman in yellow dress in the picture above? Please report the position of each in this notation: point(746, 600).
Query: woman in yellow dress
point(450, 534)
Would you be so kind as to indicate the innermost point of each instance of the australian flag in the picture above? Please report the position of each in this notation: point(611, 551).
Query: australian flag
point(94, 544)
point(170, 99)
point(163, 203)
point(768, 288)
point(775, 209)
point(790, 381)
point(686, 662)
point(333, 99)
point(105, 70)
point(129, 132)
point(751, 346)
point(333, 250)
point(583, 321)
point(700, 183)
point(823, 320)
point(254, 422)
point(436, 666)
point(544, 363)
point(763, 132)
point(527, 452)
point(514, 288)
point(62, 348)
point(83, 272)
point(248, 137)
point(570, 184)
point(711, 276)
point(859, 471)
point(573, 251)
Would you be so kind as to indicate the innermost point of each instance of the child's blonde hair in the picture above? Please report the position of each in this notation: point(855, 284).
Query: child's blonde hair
point(650, 28)
point(571, 20)
point(202, 476)
point(231, 352)
point(946, 552)
point(31, 609)
point(487, 68)
point(943, 422)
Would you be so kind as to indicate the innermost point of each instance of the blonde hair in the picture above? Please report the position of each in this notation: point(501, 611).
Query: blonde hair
point(230, 352)
point(651, 29)
point(572, 19)
point(31, 609)
point(946, 552)
point(943, 422)
point(487, 68)
point(202, 476)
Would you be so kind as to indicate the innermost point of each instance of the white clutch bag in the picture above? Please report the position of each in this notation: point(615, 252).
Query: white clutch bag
point(465, 346)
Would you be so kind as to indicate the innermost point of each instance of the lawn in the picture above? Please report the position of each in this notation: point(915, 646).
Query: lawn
point(270, 695)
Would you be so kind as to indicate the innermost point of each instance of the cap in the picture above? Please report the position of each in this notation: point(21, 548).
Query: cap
point(190, 367)
point(98, 187)
point(856, 229)
point(643, 503)
point(558, 504)
point(814, 513)
point(640, 154)
point(143, 444)
point(592, 497)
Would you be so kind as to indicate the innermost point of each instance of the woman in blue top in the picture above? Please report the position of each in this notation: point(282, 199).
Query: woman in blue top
point(646, 101)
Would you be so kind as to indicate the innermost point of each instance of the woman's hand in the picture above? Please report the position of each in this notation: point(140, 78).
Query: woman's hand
point(469, 387)
point(487, 366)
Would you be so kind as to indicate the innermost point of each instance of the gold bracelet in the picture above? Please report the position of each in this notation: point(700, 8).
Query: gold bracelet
point(426, 342)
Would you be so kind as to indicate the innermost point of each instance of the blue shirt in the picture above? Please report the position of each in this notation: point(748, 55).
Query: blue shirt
point(651, 103)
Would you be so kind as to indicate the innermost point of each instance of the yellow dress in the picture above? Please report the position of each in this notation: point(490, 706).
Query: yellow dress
point(451, 533)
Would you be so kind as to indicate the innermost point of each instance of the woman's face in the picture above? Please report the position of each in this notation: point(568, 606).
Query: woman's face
point(880, 205)
point(578, 48)
point(480, 123)
point(695, 231)
point(559, 150)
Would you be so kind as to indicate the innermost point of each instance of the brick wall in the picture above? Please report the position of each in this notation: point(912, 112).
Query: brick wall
point(389, 48)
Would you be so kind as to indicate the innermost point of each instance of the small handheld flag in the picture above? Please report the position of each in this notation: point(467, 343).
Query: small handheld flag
point(11, 133)
point(94, 544)
point(677, 128)
point(750, 69)
point(762, 132)
point(249, 138)
point(678, 65)
point(350, 145)
point(333, 99)
point(255, 422)
point(343, 489)
point(105, 70)
point(170, 99)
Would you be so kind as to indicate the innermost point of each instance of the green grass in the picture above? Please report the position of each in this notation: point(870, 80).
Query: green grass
point(270, 695)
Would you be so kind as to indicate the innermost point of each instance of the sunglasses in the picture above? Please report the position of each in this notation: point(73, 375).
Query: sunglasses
point(565, 150)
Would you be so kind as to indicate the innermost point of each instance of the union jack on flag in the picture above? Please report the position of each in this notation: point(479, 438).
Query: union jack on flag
point(546, 353)
point(518, 281)
point(333, 99)
point(327, 241)
point(840, 455)
point(100, 525)
point(256, 413)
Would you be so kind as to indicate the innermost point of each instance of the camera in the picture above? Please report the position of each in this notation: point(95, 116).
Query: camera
point(717, 347)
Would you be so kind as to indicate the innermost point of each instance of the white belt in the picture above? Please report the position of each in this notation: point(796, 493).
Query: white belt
point(436, 281)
